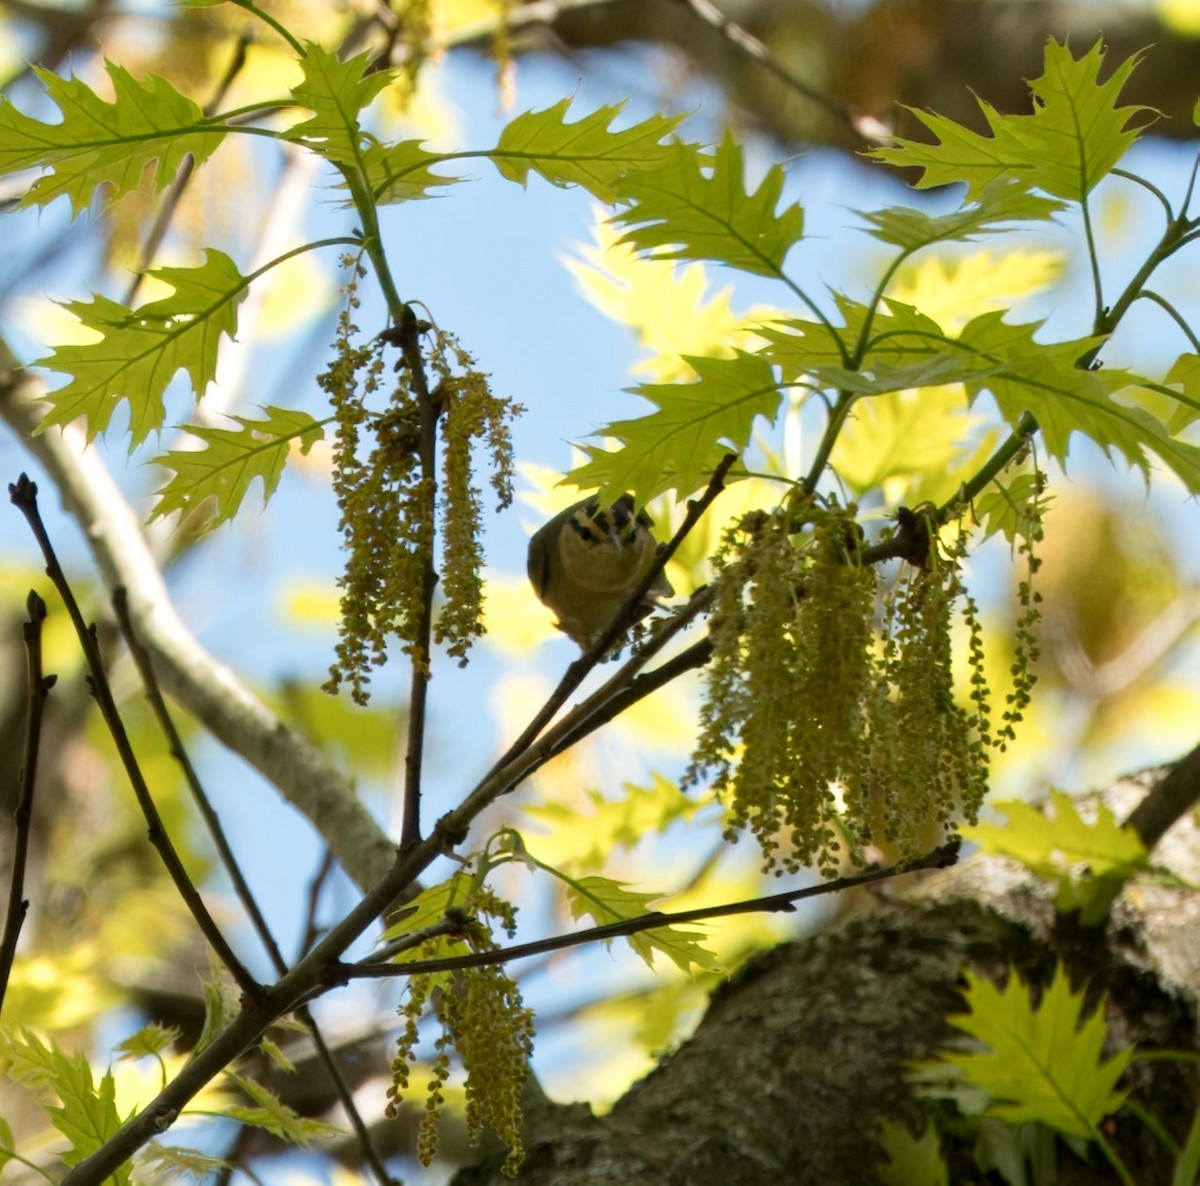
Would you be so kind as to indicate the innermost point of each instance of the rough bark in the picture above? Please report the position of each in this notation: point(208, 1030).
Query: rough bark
point(802, 1052)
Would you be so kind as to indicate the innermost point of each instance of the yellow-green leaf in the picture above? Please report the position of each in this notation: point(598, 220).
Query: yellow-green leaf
point(1088, 861)
point(587, 152)
point(140, 350)
point(1040, 1062)
point(697, 207)
point(335, 92)
point(608, 901)
point(143, 134)
point(679, 445)
point(234, 457)
point(1075, 136)
point(401, 172)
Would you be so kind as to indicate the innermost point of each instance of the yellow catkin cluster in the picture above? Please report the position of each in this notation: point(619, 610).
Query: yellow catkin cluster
point(1027, 651)
point(825, 727)
point(483, 1018)
point(927, 762)
point(382, 497)
point(471, 417)
point(388, 507)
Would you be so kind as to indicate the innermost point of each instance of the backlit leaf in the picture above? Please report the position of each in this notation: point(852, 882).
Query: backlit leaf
point(608, 901)
point(1042, 1063)
point(587, 152)
point(234, 457)
point(84, 1112)
point(141, 349)
point(141, 136)
point(401, 172)
point(335, 92)
point(1001, 201)
point(697, 207)
point(1045, 380)
point(678, 446)
point(1089, 862)
point(1074, 137)
point(270, 1113)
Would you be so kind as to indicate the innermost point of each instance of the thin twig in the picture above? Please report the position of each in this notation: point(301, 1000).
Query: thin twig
point(380, 965)
point(619, 694)
point(581, 667)
point(212, 820)
point(241, 888)
point(361, 1132)
point(210, 691)
point(310, 930)
point(429, 412)
point(24, 497)
point(37, 688)
point(864, 127)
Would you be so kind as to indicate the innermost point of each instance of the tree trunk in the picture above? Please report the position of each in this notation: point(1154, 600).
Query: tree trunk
point(804, 1050)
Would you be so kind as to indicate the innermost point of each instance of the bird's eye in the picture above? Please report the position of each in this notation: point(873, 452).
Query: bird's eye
point(588, 527)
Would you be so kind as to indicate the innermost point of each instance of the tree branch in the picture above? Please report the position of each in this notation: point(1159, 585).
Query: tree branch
point(37, 688)
point(24, 497)
point(1170, 799)
point(939, 858)
point(240, 886)
point(207, 689)
point(429, 410)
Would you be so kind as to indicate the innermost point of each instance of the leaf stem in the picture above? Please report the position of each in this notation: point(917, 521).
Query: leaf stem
point(268, 19)
point(837, 417)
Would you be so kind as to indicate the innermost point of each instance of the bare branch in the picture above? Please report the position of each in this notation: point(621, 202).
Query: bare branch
point(939, 858)
point(1169, 800)
point(24, 497)
point(207, 689)
point(37, 688)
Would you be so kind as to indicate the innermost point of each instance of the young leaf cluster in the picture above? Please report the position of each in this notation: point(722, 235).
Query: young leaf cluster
point(1088, 863)
point(1034, 1057)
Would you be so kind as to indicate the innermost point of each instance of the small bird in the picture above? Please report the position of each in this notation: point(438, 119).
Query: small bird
point(587, 560)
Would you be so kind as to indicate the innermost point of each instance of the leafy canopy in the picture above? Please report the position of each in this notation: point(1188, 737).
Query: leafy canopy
point(673, 200)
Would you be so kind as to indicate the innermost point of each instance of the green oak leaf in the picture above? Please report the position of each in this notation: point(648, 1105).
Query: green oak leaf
point(607, 901)
point(694, 426)
point(1075, 135)
point(587, 152)
point(1000, 201)
point(401, 172)
point(697, 207)
point(141, 137)
point(140, 350)
point(335, 92)
point(1044, 379)
point(1042, 1063)
point(234, 457)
